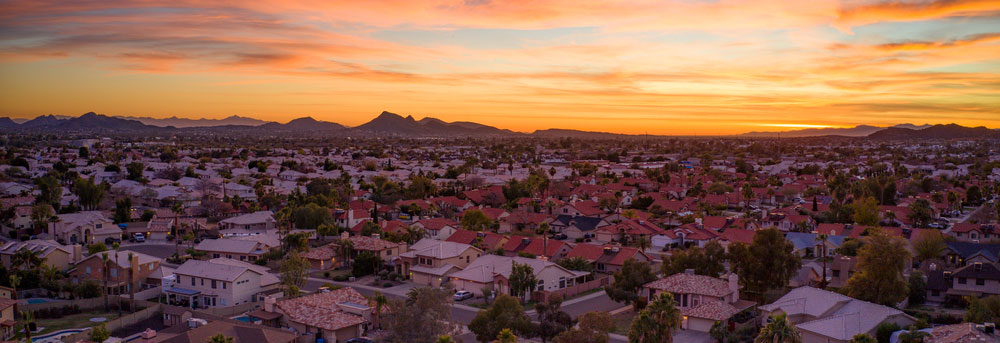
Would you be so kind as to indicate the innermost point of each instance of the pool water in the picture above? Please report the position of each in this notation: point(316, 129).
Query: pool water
point(38, 301)
point(243, 319)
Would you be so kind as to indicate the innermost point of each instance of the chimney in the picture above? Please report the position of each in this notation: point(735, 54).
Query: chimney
point(269, 303)
point(77, 253)
point(734, 285)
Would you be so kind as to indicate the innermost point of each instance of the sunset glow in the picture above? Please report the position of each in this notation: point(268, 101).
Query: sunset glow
point(688, 67)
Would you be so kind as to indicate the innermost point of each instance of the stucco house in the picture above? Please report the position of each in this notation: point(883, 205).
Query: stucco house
point(822, 316)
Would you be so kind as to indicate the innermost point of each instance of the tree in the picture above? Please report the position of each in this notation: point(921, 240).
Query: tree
point(913, 335)
point(422, 317)
point(135, 170)
point(476, 220)
point(123, 210)
point(824, 256)
point(708, 261)
point(105, 266)
point(918, 288)
point(628, 281)
point(294, 270)
point(974, 195)
point(767, 263)
point(920, 213)
point(40, 214)
point(522, 280)
point(26, 259)
point(506, 336)
point(576, 263)
point(657, 322)
point(50, 190)
point(879, 278)
point(90, 194)
point(928, 246)
point(779, 330)
point(366, 263)
point(551, 319)
point(311, 216)
point(866, 211)
point(96, 248)
point(593, 327)
point(863, 338)
point(99, 333)
point(505, 313)
point(380, 301)
point(220, 338)
point(982, 310)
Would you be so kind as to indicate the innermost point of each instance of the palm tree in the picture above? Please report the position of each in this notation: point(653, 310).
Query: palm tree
point(415, 233)
point(821, 239)
point(913, 336)
point(657, 322)
point(380, 301)
point(28, 258)
point(778, 331)
point(863, 338)
point(27, 317)
point(220, 338)
point(131, 284)
point(105, 260)
point(346, 249)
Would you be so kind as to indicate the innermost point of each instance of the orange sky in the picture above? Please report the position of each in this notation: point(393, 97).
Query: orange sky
point(660, 67)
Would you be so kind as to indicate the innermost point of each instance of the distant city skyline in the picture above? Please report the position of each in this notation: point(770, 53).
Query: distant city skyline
point(684, 67)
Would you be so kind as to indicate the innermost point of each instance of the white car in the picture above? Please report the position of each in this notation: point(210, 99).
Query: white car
point(140, 237)
point(462, 295)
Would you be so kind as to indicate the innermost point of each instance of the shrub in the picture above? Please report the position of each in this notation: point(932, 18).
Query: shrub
point(387, 285)
point(326, 275)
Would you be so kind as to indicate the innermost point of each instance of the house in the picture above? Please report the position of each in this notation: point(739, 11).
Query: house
point(257, 221)
point(237, 249)
point(121, 267)
point(823, 316)
point(22, 217)
point(438, 228)
point(385, 250)
point(521, 221)
point(493, 271)
point(430, 261)
point(196, 330)
point(576, 227)
point(975, 233)
point(216, 283)
point(333, 316)
point(609, 258)
point(960, 333)
point(961, 253)
point(703, 300)
point(83, 227)
point(51, 252)
point(485, 240)
point(806, 245)
point(683, 236)
point(630, 230)
point(976, 279)
point(8, 307)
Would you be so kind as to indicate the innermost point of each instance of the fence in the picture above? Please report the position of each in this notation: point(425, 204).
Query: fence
point(570, 291)
point(232, 310)
point(112, 325)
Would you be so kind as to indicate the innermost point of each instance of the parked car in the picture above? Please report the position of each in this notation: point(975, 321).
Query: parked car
point(140, 237)
point(111, 240)
point(462, 295)
point(360, 340)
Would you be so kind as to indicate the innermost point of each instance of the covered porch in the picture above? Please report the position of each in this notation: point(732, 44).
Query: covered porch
point(183, 297)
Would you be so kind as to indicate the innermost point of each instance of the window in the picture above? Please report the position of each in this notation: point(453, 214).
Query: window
point(388, 253)
point(215, 255)
point(961, 280)
point(836, 273)
point(114, 272)
point(88, 270)
point(213, 284)
point(980, 282)
point(192, 281)
point(100, 226)
point(224, 287)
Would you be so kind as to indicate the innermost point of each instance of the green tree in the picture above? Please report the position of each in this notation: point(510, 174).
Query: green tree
point(593, 327)
point(982, 310)
point(628, 281)
point(422, 317)
point(220, 338)
point(779, 330)
point(866, 211)
point(708, 261)
point(123, 210)
point(657, 322)
point(311, 216)
point(99, 333)
point(913, 335)
point(918, 288)
point(50, 190)
point(294, 270)
point(551, 319)
point(928, 246)
point(879, 278)
point(476, 220)
point(863, 338)
point(90, 194)
point(40, 215)
point(767, 263)
point(505, 313)
point(522, 280)
point(135, 170)
point(576, 263)
point(921, 213)
point(506, 336)
point(96, 248)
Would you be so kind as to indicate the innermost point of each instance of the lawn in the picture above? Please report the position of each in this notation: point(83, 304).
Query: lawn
point(75, 321)
point(622, 322)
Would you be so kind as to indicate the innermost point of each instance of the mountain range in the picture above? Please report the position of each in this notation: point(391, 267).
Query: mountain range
point(391, 124)
point(857, 131)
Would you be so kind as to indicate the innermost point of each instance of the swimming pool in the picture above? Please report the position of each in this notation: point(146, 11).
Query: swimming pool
point(243, 318)
point(38, 301)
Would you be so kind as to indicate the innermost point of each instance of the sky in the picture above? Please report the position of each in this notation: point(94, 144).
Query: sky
point(684, 67)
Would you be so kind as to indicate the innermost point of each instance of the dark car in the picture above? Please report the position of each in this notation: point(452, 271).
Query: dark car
point(360, 340)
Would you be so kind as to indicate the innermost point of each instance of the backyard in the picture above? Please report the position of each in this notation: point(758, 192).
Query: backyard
point(73, 321)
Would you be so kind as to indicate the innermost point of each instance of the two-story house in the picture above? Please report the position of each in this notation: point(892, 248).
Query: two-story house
point(125, 269)
point(976, 279)
point(83, 227)
point(493, 271)
point(237, 249)
point(430, 261)
point(703, 300)
point(257, 221)
point(217, 283)
point(332, 316)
